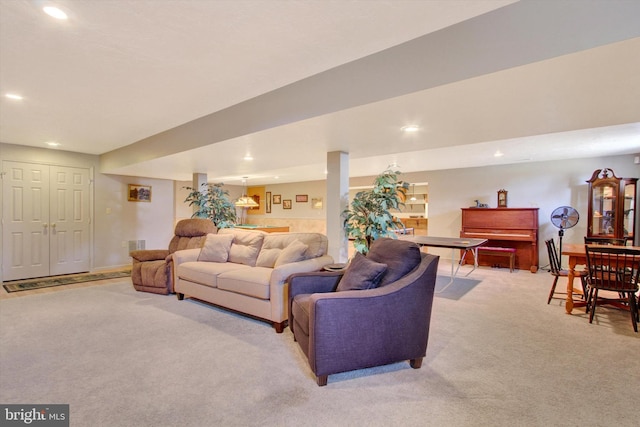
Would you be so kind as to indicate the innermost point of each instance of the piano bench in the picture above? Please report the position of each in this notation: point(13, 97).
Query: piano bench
point(510, 252)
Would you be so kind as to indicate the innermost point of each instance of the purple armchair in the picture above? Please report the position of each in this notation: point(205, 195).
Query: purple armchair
point(341, 330)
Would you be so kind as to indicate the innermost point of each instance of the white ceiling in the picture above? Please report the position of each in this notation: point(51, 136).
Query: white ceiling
point(124, 73)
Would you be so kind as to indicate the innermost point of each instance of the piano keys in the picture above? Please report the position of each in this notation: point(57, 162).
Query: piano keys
point(506, 228)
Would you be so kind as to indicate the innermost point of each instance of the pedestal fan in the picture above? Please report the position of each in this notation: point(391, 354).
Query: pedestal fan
point(564, 217)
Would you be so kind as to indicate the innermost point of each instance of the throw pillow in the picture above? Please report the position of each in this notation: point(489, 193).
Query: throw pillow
point(246, 245)
point(292, 253)
point(362, 273)
point(268, 257)
point(216, 248)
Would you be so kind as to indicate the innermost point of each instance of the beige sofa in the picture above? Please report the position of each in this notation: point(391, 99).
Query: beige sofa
point(246, 271)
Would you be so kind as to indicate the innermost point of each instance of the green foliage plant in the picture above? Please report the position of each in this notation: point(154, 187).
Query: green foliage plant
point(212, 202)
point(369, 217)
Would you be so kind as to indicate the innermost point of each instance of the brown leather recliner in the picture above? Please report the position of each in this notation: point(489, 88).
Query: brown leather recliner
point(152, 269)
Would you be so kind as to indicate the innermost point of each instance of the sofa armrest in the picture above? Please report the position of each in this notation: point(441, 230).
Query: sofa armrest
point(185, 255)
point(279, 294)
point(281, 273)
point(149, 254)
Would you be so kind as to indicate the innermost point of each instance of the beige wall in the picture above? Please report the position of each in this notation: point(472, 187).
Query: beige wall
point(546, 185)
point(300, 218)
point(114, 219)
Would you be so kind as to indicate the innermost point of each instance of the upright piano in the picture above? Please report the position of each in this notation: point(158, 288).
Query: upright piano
point(506, 228)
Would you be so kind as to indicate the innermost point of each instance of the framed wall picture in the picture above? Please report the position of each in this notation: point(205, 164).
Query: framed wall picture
point(286, 204)
point(277, 199)
point(139, 193)
point(502, 198)
point(267, 202)
point(316, 203)
point(302, 198)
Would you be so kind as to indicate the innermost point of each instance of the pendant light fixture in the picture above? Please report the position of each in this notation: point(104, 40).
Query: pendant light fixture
point(245, 202)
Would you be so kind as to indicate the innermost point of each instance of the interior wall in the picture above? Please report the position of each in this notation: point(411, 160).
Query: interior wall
point(119, 220)
point(302, 217)
point(545, 185)
point(299, 210)
point(115, 221)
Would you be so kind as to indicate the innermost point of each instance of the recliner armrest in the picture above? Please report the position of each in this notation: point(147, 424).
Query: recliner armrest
point(149, 254)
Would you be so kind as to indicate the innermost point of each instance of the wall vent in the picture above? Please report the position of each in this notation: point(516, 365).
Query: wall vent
point(136, 245)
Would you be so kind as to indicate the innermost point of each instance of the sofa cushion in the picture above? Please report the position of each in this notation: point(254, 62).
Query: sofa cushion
point(292, 253)
point(317, 243)
point(206, 273)
point(245, 247)
point(362, 273)
point(274, 243)
point(400, 256)
point(268, 256)
point(247, 281)
point(216, 248)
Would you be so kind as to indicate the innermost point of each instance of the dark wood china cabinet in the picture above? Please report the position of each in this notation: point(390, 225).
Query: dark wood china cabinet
point(612, 202)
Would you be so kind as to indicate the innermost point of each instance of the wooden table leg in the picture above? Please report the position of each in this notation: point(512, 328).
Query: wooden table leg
point(572, 272)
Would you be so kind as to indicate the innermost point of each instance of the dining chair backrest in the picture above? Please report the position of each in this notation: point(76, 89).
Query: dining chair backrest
point(554, 261)
point(614, 269)
point(622, 241)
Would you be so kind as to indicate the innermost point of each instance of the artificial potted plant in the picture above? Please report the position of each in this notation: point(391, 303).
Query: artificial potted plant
point(368, 216)
point(213, 202)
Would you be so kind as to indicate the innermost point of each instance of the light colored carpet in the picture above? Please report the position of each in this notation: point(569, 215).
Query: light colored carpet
point(498, 356)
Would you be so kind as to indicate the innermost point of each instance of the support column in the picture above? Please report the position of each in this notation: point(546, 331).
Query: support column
point(337, 202)
point(196, 182)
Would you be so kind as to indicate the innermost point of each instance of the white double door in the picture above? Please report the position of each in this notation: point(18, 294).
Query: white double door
point(46, 220)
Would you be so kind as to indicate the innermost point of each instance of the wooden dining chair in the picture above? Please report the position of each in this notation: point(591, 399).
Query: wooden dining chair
point(616, 270)
point(622, 241)
point(557, 272)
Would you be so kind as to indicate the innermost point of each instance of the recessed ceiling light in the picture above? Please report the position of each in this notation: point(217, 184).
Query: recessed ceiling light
point(498, 153)
point(248, 157)
point(410, 128)
point(14, 96)
point(54, 12)
point(53, 144)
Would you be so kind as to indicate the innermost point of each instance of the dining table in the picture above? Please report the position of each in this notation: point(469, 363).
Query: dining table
point(577, 254)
